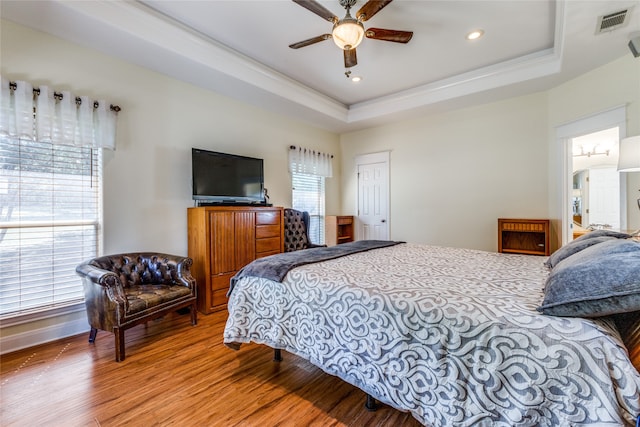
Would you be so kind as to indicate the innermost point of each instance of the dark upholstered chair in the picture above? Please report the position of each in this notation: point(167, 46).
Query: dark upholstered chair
point(125, 290)
point(296, 231)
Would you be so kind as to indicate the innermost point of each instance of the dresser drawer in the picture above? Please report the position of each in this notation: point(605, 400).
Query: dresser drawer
point(269, 244)
point(267, 217)
point(219, 297)
point(221, 281)
point(263, 231)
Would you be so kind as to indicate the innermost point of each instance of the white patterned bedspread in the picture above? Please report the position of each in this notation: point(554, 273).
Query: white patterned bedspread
point(451, 335)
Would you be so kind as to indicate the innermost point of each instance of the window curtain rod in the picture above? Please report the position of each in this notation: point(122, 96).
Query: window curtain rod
point(309, 162)
point(293, 147)
point(56, 116)
point(59, 96)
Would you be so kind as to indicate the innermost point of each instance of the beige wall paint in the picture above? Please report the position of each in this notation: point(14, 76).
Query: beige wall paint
point(147, 180)
point(454, 174)
point(612, 85)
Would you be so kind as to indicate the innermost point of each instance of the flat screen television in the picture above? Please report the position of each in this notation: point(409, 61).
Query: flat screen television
point(221, 178)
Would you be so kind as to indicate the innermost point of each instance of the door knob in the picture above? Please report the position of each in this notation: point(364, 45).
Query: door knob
point(383, 220)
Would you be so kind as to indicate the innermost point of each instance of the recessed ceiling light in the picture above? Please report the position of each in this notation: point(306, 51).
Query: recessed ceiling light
point(356, 79)
point(474, 35)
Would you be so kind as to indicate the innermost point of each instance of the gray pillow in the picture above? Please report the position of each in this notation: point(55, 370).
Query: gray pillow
point(600, 280)
point(600, 233)
point(574, 247)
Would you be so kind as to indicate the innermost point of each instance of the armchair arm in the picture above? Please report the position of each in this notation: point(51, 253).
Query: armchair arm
point(104, 296)
point(183, 269)
point(97, 275)
point(102, 278)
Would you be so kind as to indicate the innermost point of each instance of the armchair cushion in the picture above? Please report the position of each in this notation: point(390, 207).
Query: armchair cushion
point(143, 297)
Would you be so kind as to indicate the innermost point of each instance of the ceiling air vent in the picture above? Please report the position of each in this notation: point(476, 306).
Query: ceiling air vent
point(612, 21)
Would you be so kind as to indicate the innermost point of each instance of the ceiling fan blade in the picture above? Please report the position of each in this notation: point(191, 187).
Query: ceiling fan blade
point(350, 58)
point(312, 40)
point(371, 8)
point(318, 9)
point(389, 35)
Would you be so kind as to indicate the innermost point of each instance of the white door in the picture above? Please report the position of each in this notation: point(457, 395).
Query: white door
point(373, 201)
point(604, 197)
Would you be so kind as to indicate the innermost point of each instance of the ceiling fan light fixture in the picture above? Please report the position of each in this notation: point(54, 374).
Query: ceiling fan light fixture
point(347, 33)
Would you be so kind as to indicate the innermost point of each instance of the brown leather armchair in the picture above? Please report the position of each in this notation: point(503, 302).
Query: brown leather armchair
point(296, 231)
point(125, 290)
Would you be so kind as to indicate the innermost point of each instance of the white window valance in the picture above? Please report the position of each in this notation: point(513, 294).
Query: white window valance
point(305, 161)
point(45, 115)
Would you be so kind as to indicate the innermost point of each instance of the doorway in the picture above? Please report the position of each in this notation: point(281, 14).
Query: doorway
point(372, 222)
point(596, 180)
point(593, 194)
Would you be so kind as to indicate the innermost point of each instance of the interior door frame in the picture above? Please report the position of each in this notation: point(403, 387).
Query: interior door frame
point(367, 159)
point(614, 117)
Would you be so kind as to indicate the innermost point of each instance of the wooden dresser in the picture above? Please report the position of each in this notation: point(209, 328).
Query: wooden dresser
point(222, 240)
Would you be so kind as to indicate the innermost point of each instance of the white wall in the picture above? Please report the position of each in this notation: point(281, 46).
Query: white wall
point(612, 85)
point(147, 180)
point(454, 174)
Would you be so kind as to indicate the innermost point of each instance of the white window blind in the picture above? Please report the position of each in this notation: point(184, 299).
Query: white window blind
point(308, 195)
point(50, 216)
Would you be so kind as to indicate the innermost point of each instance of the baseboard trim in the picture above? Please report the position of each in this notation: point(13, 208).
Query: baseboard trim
point(22, 340)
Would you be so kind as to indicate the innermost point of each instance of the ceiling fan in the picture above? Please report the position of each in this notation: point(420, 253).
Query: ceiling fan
point(348, 32)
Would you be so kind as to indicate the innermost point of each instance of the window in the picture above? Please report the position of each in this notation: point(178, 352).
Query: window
point(308, 170)
point(50, 221)
point(308, 195)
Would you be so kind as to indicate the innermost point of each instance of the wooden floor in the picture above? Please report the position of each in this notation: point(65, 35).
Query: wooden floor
point(176, 374)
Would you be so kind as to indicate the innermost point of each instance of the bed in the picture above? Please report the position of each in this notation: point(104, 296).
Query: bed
point(454, 336)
